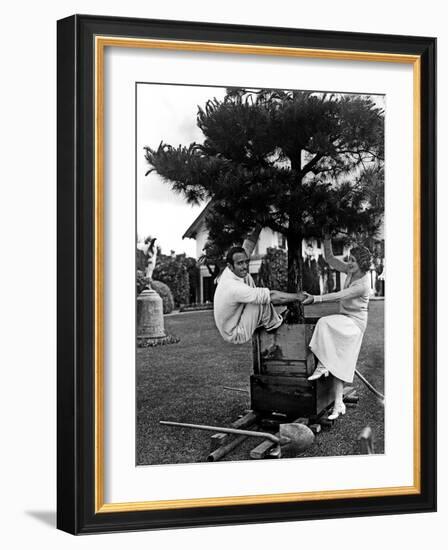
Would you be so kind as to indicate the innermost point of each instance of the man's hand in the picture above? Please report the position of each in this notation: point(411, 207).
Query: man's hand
point(278, 297)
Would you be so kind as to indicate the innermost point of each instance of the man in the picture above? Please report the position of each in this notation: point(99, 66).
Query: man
point(240, 307)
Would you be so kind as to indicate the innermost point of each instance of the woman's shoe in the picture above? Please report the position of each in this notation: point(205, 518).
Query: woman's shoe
point(337, 410)
point(320, 371)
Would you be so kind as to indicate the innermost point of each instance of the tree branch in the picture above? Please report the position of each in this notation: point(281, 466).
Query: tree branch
point(276, 227)
point(311, 164)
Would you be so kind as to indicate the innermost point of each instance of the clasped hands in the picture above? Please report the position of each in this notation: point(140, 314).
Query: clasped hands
point(305, 299)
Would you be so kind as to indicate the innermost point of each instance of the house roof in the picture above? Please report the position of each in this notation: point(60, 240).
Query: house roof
point(191, 232)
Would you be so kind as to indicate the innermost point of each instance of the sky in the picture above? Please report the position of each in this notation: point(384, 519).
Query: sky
point(167, 113)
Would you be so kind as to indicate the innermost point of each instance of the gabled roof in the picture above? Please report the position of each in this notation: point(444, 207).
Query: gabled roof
point(190, 233)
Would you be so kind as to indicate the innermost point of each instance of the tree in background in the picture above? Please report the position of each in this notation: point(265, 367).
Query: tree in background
point(175, 271)
point(174, 277)
point(193, 279)
point(213, 256)
point(292, 161)
point(273, 271)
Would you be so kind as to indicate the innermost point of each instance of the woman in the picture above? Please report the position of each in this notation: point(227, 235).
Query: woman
point(337, 339)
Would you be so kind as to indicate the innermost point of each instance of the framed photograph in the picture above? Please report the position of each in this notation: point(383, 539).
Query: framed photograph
point(246, 274)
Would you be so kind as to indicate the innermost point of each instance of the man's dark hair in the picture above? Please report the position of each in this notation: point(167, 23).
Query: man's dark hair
point(232, 251)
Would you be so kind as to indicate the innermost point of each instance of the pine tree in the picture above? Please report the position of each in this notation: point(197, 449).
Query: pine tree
point(292, 161)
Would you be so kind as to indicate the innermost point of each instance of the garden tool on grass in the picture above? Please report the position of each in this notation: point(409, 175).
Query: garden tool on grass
point(379, 395)
point(292, 440)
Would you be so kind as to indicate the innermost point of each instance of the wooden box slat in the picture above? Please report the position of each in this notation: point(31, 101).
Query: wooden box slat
point(285, 343)
point(282, 362)
point(290, 395)
point(292, 368)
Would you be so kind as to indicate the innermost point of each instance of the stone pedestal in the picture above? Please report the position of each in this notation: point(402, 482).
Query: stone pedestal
point(150, 325)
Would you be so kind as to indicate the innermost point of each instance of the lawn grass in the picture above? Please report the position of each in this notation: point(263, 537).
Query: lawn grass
point(185, 382)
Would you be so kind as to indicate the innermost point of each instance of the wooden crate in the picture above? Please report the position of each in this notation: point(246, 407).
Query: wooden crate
point(284, 351)
point(282, 362)
point(290, 395)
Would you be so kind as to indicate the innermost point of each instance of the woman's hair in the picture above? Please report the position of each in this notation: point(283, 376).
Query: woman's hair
point(362, 257)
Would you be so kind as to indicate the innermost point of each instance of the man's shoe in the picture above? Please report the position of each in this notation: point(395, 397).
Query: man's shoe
point(276, 325)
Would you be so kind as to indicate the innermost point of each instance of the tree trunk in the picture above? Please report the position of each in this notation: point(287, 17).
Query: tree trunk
point(295, 276)
point(250, 242)
point(294, 237)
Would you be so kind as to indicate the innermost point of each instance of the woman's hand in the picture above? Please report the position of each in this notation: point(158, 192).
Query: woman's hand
point(309, 299)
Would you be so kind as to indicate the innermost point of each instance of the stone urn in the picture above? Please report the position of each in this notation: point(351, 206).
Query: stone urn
point(150, 325)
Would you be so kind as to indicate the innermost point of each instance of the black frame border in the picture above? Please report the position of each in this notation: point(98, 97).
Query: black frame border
point(76, 263)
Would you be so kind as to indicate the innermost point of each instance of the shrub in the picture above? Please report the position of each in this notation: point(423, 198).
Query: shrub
point(140, 260)
point(273, 272)
point(174, 272)
point(141, 281)
point(164, 292)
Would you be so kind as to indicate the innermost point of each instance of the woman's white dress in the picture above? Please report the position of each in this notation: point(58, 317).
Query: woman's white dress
point(337, 339)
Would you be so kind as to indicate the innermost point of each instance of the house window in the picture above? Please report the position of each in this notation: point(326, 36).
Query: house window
point(281, 241)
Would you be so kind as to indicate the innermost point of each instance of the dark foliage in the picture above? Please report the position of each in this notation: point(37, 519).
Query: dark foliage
point(141, 281)
point(288, 160)
point(141, 260)
point(176, 271)
point(165, 293)
point(162, 290)
point(273, 272)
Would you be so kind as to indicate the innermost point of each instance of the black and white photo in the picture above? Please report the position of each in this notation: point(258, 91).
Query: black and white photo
point(260, 273)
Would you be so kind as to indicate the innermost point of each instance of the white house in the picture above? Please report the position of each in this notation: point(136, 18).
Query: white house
point(311, 248)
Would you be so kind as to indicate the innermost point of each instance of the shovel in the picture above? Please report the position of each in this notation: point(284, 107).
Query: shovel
point(292, 440)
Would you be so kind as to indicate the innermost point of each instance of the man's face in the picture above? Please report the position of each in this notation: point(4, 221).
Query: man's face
point(240, 264)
